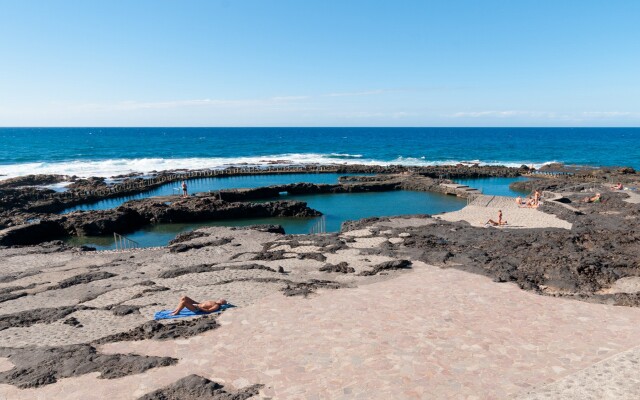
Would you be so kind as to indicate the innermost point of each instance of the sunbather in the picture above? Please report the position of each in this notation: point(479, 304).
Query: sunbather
point(208, 306)
point(594, 199)
point(617, 187)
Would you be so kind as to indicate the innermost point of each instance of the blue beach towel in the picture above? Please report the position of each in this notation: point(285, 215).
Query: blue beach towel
point(166, 314)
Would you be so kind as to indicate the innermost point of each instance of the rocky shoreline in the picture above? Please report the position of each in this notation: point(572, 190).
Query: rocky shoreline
point(94, 298)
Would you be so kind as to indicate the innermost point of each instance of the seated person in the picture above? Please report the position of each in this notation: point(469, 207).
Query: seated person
point(618, 186)
point(208, 306)
point(536, 198)
point(529, 203)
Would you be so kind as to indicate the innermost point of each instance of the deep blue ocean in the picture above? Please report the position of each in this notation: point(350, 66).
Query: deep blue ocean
point(113, 151)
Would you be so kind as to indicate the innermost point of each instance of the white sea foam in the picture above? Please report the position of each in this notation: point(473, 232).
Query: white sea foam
point(113, 167)
point(344, 155)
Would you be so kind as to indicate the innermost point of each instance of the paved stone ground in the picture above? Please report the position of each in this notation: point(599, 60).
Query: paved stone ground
point(614, 378)
point(634, 197)
point(429, 333)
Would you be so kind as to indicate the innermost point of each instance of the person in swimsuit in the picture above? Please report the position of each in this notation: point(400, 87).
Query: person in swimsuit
point(499, 222)
point(208, 306)
point(594, 199)
point(184, 189)
point(536, 198)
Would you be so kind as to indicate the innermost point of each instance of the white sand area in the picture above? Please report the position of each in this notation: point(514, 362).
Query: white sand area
point(483, 208)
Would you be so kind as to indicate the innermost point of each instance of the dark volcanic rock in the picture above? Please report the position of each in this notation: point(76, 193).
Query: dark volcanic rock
point(100, 222)
point(195, 269)
point(38, 366)
point(31, 233)
point(194, 387)
point(200, 268)
point(73, 321)
point(182, 247)
point(306, 288)
point(157, 331)
point(342, 267)
point(597, 251)
point(136, 214)
point(155, 289)
point(270, 256)
point(264, 228)
point(92, 183)
point(35, 316)
point(202, 208)
point(386, 266)
point(10, 296)
point(10, 289)
point(312, 256)
point(16, 276)
point(32, 180)
point(361, 223)
point(122, 310)
point(328, 243)
point(82, 278)
point(187, 236)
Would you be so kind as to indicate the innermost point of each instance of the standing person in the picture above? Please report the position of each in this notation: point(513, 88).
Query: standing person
point(184, 189)
point(497, 223)
point(536, 198)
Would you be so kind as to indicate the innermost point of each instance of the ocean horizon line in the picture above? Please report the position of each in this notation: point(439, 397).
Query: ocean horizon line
point(313, 127)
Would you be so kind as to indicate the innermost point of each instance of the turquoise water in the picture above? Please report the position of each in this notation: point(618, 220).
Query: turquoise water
point(494, 186)
point(336, 208)
point(213, 184)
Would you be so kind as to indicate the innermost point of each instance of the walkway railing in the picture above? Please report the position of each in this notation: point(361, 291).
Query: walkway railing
point(320, 226)
point(149, 183)
point(124, 243)
point(549, 173)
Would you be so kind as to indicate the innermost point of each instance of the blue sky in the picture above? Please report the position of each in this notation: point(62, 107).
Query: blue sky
point(319, 63)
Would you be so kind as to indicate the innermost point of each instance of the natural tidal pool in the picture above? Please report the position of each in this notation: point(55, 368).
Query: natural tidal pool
point(215, 184)
point(336, 208)
point(494, 186)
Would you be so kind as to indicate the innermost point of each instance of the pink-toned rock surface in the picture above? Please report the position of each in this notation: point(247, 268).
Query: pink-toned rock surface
point(430, 333)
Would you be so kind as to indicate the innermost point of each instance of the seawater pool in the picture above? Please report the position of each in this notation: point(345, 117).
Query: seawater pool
point(494, 186)
point(336, 208)
point(214, 184)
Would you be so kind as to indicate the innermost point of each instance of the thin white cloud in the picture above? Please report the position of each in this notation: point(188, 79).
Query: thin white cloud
point(200, 103)
point(289, 98)
point(499, 114)
point(609, 114)
point(576, 116)
point(132, 105)
point(367, 114)
point(363, 93)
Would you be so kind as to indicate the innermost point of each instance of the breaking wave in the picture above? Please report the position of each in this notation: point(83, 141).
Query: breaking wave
point(123, 166)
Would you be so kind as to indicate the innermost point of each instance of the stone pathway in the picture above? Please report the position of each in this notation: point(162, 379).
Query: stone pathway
point(634, 197)
point(430, 333)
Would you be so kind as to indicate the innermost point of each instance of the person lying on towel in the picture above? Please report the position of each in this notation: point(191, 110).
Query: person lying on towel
point(207, 306)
